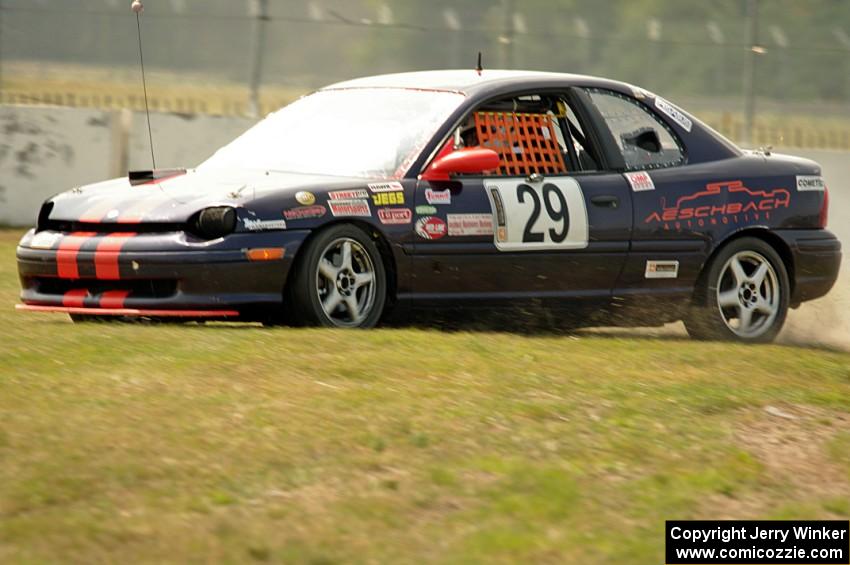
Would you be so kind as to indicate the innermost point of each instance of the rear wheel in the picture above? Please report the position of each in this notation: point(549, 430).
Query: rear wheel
point(743, 296)
point(339, 281)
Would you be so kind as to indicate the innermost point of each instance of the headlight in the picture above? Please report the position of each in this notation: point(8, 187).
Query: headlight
point(212, 223)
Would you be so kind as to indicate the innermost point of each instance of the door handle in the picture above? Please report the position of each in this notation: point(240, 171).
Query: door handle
point(606, 201)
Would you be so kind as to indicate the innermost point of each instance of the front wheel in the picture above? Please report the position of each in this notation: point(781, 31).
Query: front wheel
point(340, 281)
point(744, 295)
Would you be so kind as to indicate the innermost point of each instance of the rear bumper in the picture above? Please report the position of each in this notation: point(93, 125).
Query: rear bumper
point(817, 261)
point(154, 274)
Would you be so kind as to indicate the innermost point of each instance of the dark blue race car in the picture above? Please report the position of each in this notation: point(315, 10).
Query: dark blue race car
point(457, 191)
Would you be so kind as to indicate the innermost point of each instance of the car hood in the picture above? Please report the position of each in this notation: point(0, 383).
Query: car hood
point(175, 198)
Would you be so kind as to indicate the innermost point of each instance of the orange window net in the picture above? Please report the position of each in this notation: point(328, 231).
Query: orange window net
point(525, 142)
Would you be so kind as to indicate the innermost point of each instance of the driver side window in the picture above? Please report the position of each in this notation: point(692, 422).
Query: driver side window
point(533, 134)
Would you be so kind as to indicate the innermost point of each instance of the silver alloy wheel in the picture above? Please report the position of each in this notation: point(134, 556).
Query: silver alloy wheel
point(748, 294)
point(345, 282)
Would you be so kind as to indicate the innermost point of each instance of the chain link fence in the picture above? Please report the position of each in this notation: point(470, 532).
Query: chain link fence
point(789, 58)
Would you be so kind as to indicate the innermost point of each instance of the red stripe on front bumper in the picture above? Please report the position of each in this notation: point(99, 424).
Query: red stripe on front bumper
point(113, 299)
point(106, 255)
point(75, 298)
point(66, 255)
point(131, 312)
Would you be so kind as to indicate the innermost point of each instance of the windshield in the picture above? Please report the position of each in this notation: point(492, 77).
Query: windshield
point(371, 132)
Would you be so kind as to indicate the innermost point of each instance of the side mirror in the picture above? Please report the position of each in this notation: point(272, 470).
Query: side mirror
point(470, 160)
point(646, 140)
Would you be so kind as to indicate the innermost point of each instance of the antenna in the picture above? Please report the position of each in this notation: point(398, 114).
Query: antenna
point(479, 67)
point(138, 8)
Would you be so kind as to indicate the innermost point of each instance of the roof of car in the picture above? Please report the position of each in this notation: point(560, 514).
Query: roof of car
point(469, 80)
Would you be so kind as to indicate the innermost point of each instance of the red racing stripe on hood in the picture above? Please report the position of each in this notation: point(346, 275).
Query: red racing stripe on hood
point(66, 254)
point(107, 253)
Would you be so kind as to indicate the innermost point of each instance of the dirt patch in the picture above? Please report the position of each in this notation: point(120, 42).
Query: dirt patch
point(791, 442)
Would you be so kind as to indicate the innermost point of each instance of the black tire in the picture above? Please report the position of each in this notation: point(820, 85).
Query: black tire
point(730, 295)
point(309, 291)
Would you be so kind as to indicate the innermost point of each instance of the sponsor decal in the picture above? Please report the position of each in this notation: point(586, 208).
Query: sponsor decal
point(388, 199)
point(721, 202)
point(305, 198)
point(810, 182)
point(305, 213)
point(438, 196)
point(661, 270)
point(350, 207)
point(426, 210)
point(430, 227)
point(674, 114)
point(470, 224)
point(348, 194)
point(385, 187)
point(395, 215)
point(260, 225)
point(640, 181)
point(45, 240)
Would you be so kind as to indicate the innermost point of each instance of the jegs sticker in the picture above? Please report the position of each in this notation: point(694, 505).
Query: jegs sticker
point(548, 215)
point(430, 227)
point(438, 196)
point(348, 194)
point(388, 199)
point(810, 182)
point(385, 186)
point(470, 224)
point(350, 207)
point(395, 215)
point(674, 114)
point(640, 181)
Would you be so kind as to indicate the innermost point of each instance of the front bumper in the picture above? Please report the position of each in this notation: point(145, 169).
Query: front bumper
point(156, 274)
point(817, 261)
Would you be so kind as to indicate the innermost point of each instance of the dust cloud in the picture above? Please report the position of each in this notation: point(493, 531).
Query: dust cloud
point(826, 321)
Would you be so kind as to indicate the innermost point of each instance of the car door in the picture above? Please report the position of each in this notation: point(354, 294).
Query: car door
point(546, 234)
point(669, 237)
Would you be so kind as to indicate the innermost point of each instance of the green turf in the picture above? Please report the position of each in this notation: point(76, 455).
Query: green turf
point(238, 443)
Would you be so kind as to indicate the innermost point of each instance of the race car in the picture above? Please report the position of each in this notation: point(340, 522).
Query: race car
point(475, 192)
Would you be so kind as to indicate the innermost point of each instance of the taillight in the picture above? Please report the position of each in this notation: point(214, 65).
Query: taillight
point(824, 209)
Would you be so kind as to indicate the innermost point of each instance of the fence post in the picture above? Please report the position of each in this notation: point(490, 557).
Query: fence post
point(261, 9)
point(120, 124)
point(750, 74)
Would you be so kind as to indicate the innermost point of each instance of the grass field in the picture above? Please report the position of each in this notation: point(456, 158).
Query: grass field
point(237, 443)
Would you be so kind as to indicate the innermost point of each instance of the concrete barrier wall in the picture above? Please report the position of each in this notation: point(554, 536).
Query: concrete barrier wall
point(45, 150)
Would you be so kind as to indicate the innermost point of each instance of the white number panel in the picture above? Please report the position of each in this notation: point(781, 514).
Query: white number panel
point(544, 215)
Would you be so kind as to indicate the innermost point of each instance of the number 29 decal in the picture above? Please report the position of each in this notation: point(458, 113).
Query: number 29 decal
point(547, 215)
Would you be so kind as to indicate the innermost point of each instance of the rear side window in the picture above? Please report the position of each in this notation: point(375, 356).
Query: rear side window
point(644, 140)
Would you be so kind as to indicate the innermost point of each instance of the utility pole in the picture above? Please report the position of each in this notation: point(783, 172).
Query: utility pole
point(755, 49)
point(261, 13)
